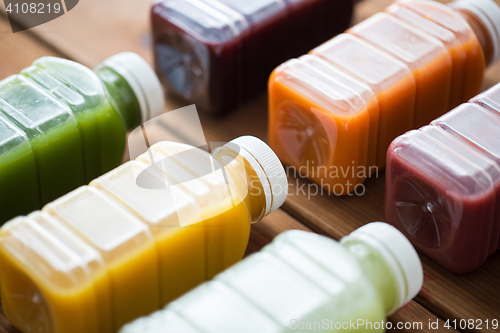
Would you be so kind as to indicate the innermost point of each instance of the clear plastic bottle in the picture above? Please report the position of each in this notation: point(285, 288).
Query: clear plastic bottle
point(137, 237)
point(76, 120)
point(460, 37)
point(444, 178)
point(419, 59)
point(302, 281)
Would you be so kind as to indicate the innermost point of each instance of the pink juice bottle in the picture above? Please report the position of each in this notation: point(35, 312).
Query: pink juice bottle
point(443, 185)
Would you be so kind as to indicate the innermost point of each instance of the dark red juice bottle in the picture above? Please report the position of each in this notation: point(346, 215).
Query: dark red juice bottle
point(443, 183)
point(217, 53)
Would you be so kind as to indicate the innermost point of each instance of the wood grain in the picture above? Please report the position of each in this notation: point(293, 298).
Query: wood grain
point(18, 51)
point(97, 29)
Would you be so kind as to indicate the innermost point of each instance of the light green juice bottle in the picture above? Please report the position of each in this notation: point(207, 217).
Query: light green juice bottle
point(302, 282)
point(74, 121)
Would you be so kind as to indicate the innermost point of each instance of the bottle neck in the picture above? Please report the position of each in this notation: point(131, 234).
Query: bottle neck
point(378, 272)
point(482, 33)
point(121, 96)
point(244, 181)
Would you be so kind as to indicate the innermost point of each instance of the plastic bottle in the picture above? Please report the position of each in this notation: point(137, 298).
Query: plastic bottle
point(302, 281)
point(137, 237)
point(74, 121)
point(18, 172)
point(418, 58)
point(216, 53)
point(443, 185)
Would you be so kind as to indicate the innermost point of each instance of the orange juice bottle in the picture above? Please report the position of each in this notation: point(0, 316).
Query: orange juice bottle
point(137, 237)
point(475, 25)
point(332, 111)
point(419, 58)
point(427, 58)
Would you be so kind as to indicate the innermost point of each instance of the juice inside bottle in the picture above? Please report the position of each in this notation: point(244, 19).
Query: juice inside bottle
point(305, 277)
point(181, 250)
point(475, 126)
point(18, 172)
point(125, 244)
point(65, 288)
point(426, 57)
point(436, 196)
point(158, 227)
point(225, 213)
point(490, 100)
point(75, 120)
point(420, 58)
point(453, 41)
point(443, 185)
point(326, 123)
point(389, 78)
point(52, 131)
point(204, 68)
point(100, 126)
point(466, 35)
point(308, 28)
point(268, 23)
point(363, 90)
point(483, 162)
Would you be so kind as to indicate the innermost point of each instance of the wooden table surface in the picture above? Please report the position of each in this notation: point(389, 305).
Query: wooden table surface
point(96, 29)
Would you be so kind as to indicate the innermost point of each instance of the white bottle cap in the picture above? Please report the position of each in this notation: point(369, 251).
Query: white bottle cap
point(399, 254)
point(268, 167)
point(489, 13)
point(143, 81)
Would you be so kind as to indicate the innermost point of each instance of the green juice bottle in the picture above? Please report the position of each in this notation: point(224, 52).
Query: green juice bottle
point(67, 125)
point(302, 282)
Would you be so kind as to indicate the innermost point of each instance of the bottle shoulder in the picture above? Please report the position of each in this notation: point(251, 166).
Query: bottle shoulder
point(305, 277)
point(197, 173)
point(344, 273)
point(32, 107)
point(71, 82)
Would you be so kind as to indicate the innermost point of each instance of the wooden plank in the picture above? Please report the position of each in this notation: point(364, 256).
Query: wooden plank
point(96, 29)
point(471, 296)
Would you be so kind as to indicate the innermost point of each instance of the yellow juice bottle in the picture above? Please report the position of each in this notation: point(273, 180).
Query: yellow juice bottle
point(302, 282)
point(229, 208)
point(124, 243)
point(157, 226)
point(52, 281)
